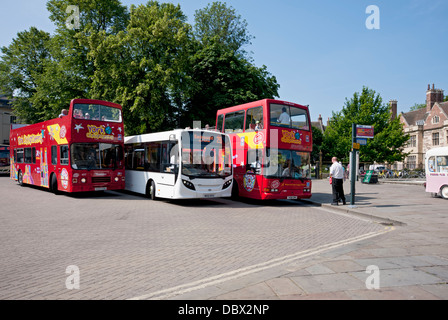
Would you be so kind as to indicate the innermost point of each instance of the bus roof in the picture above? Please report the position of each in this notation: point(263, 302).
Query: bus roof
point(442, 151)
point(164, 135)
point(258, 103)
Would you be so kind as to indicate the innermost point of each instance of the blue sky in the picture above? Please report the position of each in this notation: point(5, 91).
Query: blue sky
point(321, 51)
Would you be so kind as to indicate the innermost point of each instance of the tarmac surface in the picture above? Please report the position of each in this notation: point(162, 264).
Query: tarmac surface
point(408, 261)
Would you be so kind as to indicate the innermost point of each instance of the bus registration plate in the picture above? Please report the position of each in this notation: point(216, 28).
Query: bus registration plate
point(100, 188)
point(209, 195)
point(291, 197)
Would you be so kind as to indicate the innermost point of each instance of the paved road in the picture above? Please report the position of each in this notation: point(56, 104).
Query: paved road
point(128, 247)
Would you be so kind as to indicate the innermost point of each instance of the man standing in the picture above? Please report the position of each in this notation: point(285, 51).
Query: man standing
point(337, 176)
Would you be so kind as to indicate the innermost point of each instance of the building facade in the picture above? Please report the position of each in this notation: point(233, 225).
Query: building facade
point(427, 128)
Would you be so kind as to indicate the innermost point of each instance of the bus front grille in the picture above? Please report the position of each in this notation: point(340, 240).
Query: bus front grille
point(100, 179)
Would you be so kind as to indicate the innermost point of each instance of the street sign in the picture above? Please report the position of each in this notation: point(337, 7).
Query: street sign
point(356, 146)
point(366, 132)
point(361, 141)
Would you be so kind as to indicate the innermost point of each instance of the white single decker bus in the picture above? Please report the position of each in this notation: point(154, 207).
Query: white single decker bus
point(179, 164)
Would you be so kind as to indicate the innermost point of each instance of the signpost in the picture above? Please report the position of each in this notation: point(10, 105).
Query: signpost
point(360, 134)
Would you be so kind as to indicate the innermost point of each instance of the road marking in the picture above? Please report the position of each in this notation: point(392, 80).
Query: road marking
point(200, 284)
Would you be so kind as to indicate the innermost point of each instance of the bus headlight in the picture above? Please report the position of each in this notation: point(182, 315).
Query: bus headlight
point(116, 179)
point(83, 180)
point(188, 184)
point(226, 184)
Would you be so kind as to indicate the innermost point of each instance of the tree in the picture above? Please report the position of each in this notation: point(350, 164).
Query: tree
point(222, 79)
point(141, 68)
point(22, 65)
point(318, 138)
point(221, 72)
point(418, 106)
point(221, 25)
point(365, 109)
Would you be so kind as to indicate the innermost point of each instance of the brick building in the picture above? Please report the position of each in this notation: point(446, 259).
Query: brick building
point(427, 127)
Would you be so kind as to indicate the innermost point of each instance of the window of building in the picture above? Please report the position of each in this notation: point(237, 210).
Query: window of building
point(412, 162)
point(435, 139)
point(412, 141)
point(436, 119)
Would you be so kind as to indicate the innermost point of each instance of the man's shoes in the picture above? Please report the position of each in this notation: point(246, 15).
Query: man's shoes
point(344, 203)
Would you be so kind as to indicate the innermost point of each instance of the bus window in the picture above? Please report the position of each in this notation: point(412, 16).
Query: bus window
point(54, 155)
point(234, 122)
point(19, 155)
point(220, 122)
point(280, 115)
point(299, 119)
point(138, 159)
point(152, 159)
point(289, 117)
point(28, 155)
point(442, 164)
point(254, 119)
point(64, 155)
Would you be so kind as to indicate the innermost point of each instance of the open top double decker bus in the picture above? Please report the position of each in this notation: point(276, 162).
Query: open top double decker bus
point(76, 152)
point(179, 164)
point(272, 144)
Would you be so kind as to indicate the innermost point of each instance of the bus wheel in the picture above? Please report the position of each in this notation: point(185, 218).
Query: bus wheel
point(151, 190)
point(20, 178)
point(444, 192)
point(54, 184)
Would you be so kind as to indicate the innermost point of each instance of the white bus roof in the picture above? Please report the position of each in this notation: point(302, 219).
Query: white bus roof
point(164, 135)
point(437, 151)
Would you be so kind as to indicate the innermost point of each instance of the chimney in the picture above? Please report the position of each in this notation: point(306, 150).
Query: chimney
point(393, 109)
point(432, 96)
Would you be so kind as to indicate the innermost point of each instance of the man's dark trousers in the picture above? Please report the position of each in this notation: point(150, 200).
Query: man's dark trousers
point(338, 190)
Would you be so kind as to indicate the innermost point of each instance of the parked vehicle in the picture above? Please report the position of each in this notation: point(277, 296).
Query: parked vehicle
point(436, 164)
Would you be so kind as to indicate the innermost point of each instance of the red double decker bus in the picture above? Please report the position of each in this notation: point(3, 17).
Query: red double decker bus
point(272, 144)
point(76, 152)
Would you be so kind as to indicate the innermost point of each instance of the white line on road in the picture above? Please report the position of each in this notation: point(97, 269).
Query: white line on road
point(200, 284)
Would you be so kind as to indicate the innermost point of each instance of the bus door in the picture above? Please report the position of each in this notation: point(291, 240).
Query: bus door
point(169, 168)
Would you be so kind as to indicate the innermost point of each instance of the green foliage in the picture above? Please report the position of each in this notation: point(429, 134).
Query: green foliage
point(365, 109)
point(220, 25)
point(318, 138)
point(163, 72)
point(418, 106)
point(21, 66)
point(222, 79)
point(141, 67)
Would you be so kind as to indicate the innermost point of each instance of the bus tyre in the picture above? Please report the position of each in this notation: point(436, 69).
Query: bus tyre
point(151, 190)
point(20, 178)
point(54, 184)
point(444, 192)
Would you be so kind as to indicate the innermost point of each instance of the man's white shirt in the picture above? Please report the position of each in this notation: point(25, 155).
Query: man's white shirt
point(336, 171)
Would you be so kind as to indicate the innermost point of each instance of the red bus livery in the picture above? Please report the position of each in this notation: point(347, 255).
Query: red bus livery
point(272, 144)
point(77, 152)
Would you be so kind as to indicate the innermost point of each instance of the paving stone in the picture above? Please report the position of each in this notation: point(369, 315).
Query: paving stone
point(284, 287)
